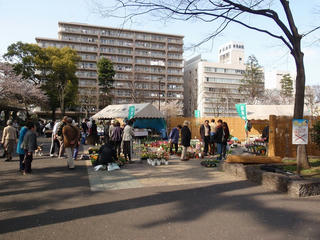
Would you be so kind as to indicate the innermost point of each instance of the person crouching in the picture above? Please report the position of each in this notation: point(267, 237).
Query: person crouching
point(71, 136)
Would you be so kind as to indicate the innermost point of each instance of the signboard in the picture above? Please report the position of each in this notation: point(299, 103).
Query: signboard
point(140, 132)
point(242, 110)
point(197, 113)
point(131, 112)
point(299, 131)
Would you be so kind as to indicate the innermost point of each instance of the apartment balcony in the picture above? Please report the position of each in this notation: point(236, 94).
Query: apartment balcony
point(93, 41)
point(175, 41)
point(78, 30)
point(117, 44)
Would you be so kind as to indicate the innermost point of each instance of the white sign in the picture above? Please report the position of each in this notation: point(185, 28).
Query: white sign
point(140, 132)
point(299, 131)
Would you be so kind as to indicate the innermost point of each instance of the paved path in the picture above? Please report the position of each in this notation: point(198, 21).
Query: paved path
point(143, 175)
point(57, 203)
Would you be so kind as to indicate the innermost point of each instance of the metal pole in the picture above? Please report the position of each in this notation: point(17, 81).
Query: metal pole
point(159, 93)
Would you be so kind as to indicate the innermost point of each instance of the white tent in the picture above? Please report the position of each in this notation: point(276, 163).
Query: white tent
point(142, 110)
point(263, 111)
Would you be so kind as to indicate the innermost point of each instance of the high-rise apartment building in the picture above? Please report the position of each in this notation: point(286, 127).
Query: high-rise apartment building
point(211, 87)
point(148, 65)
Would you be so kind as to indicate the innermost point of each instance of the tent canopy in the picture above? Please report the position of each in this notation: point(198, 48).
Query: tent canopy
point(142, 110)
point(263, 111)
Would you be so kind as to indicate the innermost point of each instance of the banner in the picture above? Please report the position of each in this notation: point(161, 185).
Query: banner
point(131, 112)
point(197, 113)
point(242, 110)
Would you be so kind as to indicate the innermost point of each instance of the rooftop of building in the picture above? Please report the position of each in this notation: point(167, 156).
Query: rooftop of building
point(120, 29)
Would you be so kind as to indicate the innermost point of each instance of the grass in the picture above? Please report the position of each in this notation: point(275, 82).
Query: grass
point(314, 171)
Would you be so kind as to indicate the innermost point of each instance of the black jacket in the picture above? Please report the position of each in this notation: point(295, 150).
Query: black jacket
point(202, 131)
point(218, 135)
point(226, 135)
point(185, 136)
point(107, 154)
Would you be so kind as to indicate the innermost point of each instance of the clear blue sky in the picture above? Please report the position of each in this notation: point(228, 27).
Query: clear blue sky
point(22, 20)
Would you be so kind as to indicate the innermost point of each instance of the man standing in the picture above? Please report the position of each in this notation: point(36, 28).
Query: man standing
point(71, 137)
point(9, 138)
point(106, 132)
point(29, 145)
point(205, 135)
point(174, 138)
point(127, 140)
point(84, 128)
point(54, 140)
point(213, 126)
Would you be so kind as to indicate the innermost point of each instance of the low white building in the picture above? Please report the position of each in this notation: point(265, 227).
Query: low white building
point(212, 87)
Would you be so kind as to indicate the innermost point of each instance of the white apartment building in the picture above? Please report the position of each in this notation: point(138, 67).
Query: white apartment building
point(212, 87)
point(148, 65)
point(273, 78)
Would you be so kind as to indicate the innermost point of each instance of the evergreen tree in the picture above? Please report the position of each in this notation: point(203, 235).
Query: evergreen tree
point(286, 86)
point(106, 74)
point(252, 82)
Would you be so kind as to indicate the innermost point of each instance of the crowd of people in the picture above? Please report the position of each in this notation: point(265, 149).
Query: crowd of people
point(66, 138)
point(214, 137)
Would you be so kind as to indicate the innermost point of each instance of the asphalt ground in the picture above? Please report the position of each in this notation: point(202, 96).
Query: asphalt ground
point(56, 203)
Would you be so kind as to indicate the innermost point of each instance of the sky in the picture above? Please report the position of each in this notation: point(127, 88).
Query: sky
point(22, 20)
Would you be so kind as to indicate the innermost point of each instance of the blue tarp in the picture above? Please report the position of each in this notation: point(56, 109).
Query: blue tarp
point(158, 124)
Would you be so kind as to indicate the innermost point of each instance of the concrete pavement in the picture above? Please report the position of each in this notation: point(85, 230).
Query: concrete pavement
point(57, 203)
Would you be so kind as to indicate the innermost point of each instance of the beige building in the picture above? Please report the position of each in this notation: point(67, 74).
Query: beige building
point(148, 65)
point(212, 87)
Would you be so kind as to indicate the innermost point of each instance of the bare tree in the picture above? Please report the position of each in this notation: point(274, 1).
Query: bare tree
point(312, 100)
point(170, 109)
point(225, 12)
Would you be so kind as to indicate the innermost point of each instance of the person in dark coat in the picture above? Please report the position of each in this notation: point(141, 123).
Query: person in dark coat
point(116, 137)
point(225, 138)
point(29, 144)
point(185, 140)
point(174, 138)
point(107, 154)
point(218, 138)
point(93, 138)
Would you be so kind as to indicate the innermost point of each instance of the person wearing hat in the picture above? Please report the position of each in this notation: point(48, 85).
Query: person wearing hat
point(185, 140)
point(9, 138)
point(71, 139)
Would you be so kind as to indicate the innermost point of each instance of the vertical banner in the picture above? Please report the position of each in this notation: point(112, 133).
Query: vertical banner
point(197, 113)
point(242, 110)
point(131, 112)
point(299, 131)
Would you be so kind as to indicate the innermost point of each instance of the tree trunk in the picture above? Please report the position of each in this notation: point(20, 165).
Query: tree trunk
point(302, 157)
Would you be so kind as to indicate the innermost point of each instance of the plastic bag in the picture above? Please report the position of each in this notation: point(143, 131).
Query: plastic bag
point(99, 167)
point(113, 166)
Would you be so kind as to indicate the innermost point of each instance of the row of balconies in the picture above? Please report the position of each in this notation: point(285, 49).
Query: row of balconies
point(118, 33)
point(119, 42)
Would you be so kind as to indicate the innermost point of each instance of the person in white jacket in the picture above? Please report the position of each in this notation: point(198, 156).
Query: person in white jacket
point(127, 139)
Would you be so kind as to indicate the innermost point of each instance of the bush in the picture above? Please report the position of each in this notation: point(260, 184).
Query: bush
point(315, 133)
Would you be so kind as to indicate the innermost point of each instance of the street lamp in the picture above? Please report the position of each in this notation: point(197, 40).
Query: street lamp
point(159, 92)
